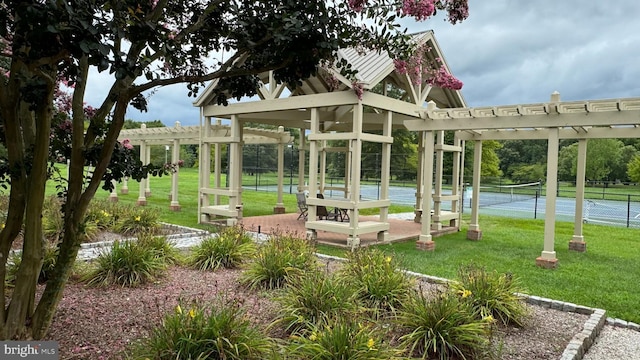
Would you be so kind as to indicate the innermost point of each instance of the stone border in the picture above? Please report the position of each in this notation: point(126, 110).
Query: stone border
point(185, 232)
point(579, 344)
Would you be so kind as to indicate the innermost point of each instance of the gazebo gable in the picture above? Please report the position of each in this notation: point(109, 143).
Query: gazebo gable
point(373, 68)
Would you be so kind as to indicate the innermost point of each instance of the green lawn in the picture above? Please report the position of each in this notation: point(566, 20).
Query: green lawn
point(606, 276)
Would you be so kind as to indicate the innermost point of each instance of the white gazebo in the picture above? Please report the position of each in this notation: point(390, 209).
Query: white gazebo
point(326, 108)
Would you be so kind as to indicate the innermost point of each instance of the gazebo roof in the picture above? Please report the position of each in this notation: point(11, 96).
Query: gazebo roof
point(373, 68)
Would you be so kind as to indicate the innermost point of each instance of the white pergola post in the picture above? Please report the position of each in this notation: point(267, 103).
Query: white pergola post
point(474, 232)
point(279, 208)
point(313, 170)
point(235, 169)
point(142, 198)
point(353, 240)
point(217, 166)
point(425, 242)
point(205, 167)
point(577, 243)
point(147, 183)
point(322, 180)
point(175, 158)
point(301, 161)
point(113, 197)
point(385, 174)
point(420, 178)
point(456, 180)
point(436, 223)
point(548, 257)
point(125, 186)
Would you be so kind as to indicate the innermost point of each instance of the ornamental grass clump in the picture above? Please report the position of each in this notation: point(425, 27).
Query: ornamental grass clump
point(313, 299)
point(128, 263)
point(277, 260)
point(342, 339)
point(228, 249)
point(134, 220)
point(442, 327)
point(218, 331)
point(377, 280)
point(164, 248)
point(491, 294)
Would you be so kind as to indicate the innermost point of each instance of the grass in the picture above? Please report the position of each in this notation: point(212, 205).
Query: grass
point(604, 277)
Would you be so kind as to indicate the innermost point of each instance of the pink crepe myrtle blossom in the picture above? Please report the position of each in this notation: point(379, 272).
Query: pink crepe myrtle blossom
point(357, 5)
point(126, 143)
point(419, 9)
point(358, 88)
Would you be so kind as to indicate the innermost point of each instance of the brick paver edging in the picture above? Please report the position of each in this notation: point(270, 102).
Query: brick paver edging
point(579, 344)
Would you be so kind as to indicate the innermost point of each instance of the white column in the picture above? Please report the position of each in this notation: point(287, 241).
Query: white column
point(113, 197)
point(313, 168)
point(175, 158)
point(385, 173)
point(279, 208)
point(356, 166)
point(425, 242)
point(474, 232)
point(204, 162)
point(125, 186)
point(142, 198)
point(548, 256)
point(457, 182)
point(147, 183)
point(420, 177)
point(437, 203)
point(323, 167)
point(301, 160)
point(235, 167)
point(577, 242)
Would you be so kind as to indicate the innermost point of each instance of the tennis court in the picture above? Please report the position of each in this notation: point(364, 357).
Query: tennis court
point(525, 202)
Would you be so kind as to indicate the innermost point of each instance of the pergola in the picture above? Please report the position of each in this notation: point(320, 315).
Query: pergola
point(554, 120)
point(325, 113)
point(189, 135)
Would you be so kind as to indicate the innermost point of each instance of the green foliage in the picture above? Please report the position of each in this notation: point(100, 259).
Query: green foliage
point(48, 263)
point(344, 339)
point(127, 264)
point(633, 169)
point(104, 213)
point(313, 299)
point(282, 256)
point(228, 249)
point(164, 249)
point(491, 294)
point(52, 218)
point(442, 327)
point(377, 280)
point(133, 220)
point(528, 173)
point(218, 331)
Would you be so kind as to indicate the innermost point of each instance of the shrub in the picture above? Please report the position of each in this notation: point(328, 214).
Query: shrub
point(104, 214)
point(377, 280)
point(164, 249)
point(314, 299)
point(52, 218)
point(491, 294)
point(443, 327)
point(344, 339)
point(48, 263)
point(127, 264)
point(230, 248)
point(278, 259)
point(133, 220)
point(220, 331)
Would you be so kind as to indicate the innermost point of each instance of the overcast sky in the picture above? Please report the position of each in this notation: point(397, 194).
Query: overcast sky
point(511, 52)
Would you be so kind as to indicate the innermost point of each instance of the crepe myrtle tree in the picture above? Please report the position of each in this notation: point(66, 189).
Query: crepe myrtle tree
point(145, 44)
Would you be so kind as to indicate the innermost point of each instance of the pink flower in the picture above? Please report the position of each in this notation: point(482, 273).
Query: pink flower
point(358, 88)
point(419, 9)
point(357, 5)
point(126, 143)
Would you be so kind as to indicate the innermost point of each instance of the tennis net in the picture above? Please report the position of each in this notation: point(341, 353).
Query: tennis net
point(503, 194)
